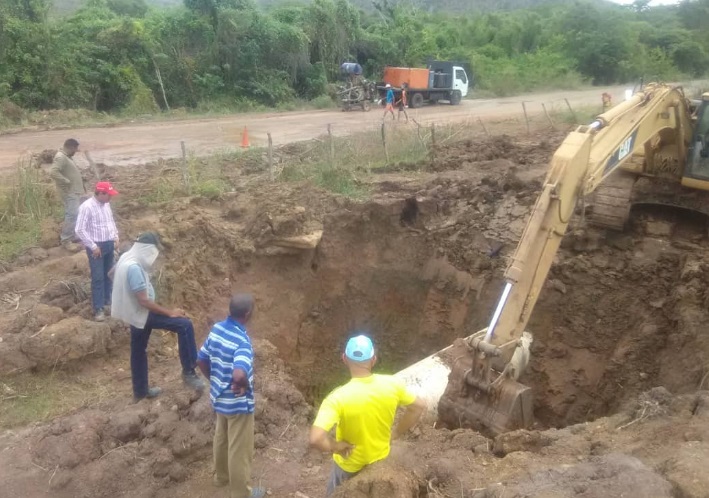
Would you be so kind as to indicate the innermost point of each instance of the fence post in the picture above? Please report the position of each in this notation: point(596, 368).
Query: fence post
point(433, 142)
point(384, 142)
point(270, 157)
point(185, 169)
point(332, 144)
point(483, 125)
point(526, 118)
point(573, 114)
point(93, 165)
point(551, 123)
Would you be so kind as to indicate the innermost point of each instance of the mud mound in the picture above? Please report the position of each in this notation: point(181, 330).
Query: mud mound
point(533, 151)
point(144, 442)
point(609, 475)
point(43, 338)
point(151, 444)
point(381, 480)
point(625, 455)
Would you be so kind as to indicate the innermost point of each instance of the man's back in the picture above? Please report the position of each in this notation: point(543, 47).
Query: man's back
point(364, 410)
point(228, 346)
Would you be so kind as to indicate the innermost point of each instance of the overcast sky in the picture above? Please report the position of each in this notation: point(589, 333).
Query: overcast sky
point(652, 2)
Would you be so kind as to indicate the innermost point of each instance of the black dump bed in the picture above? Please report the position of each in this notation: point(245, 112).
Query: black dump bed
point(442, 74)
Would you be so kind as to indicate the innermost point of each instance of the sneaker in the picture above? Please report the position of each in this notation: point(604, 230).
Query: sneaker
point(100, 316)
point(153, 392)
point(70, 246)
point(107, 310)
point(192, 380)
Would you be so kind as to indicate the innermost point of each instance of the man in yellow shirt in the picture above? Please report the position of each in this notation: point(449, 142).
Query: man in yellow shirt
point(363, 411)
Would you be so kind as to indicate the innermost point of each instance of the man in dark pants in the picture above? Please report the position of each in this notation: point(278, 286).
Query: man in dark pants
point(133, 301)
point(97, 230)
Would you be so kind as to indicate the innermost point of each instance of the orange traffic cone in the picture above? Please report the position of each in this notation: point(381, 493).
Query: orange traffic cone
point(245, 139)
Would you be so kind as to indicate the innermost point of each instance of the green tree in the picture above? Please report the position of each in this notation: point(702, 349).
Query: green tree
point(599, 42)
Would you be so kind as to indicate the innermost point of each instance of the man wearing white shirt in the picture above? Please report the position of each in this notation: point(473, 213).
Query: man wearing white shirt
point(97, 230)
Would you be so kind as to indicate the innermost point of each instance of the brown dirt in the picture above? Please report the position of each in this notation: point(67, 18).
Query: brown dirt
point(417, 265)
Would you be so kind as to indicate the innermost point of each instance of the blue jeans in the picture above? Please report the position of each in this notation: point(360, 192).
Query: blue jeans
point(139, 344)
point(101, 285)
point(71, 211)
point(337, 477)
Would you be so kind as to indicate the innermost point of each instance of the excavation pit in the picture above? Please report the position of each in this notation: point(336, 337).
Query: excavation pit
point(421, 264)
point(417, 265)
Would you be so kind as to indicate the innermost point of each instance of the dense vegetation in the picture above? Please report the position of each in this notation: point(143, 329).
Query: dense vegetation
point(121, 55)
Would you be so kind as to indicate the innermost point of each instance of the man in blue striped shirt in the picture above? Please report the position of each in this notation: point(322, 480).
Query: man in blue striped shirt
point(226, 359)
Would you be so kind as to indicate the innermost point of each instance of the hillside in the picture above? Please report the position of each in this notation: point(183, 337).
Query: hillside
point(69, 6)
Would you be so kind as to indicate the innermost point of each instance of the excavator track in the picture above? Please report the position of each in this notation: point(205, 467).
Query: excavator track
point(661, 192)
point(612, 201)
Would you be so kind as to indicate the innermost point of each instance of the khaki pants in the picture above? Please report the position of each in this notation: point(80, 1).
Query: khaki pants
point(233, 452)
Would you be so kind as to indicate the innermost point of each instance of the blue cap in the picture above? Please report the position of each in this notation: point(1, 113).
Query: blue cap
point(359, 348)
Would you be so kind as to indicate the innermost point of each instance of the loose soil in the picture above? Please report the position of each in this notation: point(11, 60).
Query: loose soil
point(618, 361)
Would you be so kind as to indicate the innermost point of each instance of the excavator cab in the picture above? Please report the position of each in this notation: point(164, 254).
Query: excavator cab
point(696, 173)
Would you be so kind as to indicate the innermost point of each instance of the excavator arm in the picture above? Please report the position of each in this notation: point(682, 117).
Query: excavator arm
point(482, 389)
point(586, 158)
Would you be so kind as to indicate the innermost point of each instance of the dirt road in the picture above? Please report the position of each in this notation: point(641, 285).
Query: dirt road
point(132, 144)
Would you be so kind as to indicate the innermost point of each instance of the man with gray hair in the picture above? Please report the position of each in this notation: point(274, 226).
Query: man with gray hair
point(226, 359)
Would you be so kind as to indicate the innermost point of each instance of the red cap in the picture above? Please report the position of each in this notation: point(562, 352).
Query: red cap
point(106, 188)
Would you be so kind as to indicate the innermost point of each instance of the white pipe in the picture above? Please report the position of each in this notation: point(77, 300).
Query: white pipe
point(427, 379)
point(498, 311)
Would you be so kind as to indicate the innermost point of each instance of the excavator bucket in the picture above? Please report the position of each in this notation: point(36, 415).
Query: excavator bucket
point(488, 407)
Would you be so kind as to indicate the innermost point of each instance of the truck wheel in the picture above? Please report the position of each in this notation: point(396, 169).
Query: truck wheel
point(416, 100)
point(456, 97)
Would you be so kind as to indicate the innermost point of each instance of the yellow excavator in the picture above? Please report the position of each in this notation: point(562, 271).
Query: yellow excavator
point(652, 148)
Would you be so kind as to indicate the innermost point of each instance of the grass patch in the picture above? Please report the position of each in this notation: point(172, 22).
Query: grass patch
point(581, 115)
point(25, 202)
point(323, 102)
point(144, 109)
point(29, 398)
point(338, 164)
point(205, 177)
point(56, 119)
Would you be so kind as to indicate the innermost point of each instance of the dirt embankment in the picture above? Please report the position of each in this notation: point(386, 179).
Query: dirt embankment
point(416, 266)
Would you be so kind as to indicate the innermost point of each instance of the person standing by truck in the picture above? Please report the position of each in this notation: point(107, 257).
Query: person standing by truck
point(389, 102)
point(402, 104)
